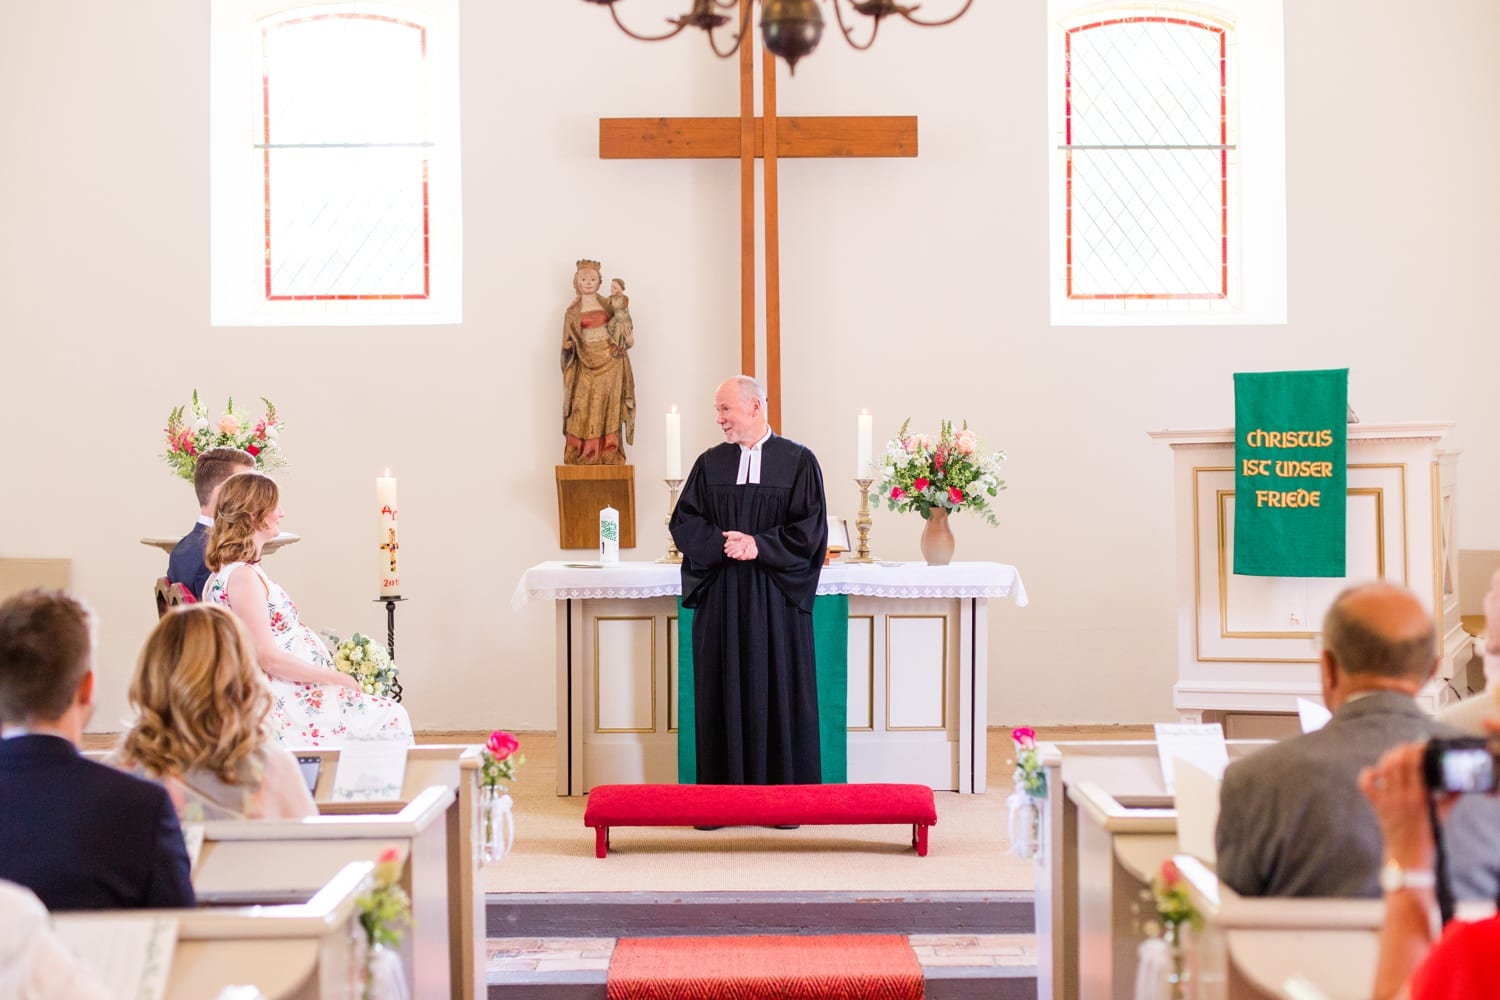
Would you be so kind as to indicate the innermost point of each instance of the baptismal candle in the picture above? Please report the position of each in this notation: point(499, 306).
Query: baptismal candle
point(385, 502)
point(674, 444)
point(866, 443)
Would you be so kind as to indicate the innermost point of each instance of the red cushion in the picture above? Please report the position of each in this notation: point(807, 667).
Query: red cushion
point(770, 805)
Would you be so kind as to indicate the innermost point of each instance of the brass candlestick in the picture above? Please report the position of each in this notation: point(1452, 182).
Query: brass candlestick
point(672, 556)
point(863, 522)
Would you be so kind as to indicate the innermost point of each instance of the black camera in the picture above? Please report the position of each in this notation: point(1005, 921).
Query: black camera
point(1462, 764)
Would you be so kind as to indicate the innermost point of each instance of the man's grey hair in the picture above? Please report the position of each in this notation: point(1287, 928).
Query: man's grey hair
point(750, 388)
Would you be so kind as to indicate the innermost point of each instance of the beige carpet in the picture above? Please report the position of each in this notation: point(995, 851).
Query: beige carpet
point(554, 851)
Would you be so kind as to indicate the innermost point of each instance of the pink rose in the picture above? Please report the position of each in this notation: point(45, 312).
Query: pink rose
point(388, 867)
point(955, 494)
point(920, 483)
point(228, 425)
point(1170, 876)
point(897, 493)
point(1024, 736)
point(501, 744)
point(965, 442)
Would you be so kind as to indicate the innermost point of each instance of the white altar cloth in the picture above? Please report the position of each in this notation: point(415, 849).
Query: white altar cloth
point(556, 581)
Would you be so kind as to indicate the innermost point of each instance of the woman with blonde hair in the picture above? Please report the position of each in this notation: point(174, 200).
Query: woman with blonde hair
point(202, 706)
point(314, 704)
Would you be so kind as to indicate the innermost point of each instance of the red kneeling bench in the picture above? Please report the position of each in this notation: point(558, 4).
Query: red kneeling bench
point(759, 805)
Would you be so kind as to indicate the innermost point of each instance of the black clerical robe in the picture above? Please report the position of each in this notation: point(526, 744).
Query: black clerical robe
point(754, 674)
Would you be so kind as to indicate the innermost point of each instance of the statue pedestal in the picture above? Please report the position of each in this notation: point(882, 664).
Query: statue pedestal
point(582, 492)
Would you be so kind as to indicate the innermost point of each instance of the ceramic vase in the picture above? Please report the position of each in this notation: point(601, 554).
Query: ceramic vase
point(937, 538)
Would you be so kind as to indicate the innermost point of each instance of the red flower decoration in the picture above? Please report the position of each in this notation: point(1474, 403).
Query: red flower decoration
point(501, 744)
point(1024, 736)
point(1170, 876)
point(920, 483)
point(252, 449)
point(937, 459)
point(955, 494)
point(897, 493)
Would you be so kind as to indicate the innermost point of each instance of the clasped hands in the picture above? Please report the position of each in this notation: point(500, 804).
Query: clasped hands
point(738, 545)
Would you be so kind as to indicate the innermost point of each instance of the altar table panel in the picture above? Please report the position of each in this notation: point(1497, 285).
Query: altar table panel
point(917, 669)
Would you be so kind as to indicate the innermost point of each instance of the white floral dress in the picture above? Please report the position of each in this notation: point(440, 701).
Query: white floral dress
point(313, 715)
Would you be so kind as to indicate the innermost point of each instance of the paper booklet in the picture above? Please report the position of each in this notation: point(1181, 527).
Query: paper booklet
point(1202, 743)
point(370, 771)
point(132, 955)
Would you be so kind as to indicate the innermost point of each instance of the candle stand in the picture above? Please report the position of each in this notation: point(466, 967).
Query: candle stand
point(672, 556)
point(390, 636)
point(863, 523)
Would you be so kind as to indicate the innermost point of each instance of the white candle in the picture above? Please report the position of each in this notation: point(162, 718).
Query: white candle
point(385, 503)
point(674, 444)
point(866, 444)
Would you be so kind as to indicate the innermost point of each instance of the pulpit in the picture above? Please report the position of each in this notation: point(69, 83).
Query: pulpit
point(1249, 644)
point(917, 668)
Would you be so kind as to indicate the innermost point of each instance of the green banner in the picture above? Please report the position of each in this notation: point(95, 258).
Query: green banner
point(1290, 472)
point(830, 645)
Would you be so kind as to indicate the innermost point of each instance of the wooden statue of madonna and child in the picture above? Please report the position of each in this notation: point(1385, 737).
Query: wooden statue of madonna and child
point(598, 410)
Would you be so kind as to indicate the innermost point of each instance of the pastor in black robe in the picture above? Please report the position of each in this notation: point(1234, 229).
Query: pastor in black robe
point(754, 672)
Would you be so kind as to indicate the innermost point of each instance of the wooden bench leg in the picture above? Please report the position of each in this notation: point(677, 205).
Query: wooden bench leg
point(601, 841)
point(920, 839)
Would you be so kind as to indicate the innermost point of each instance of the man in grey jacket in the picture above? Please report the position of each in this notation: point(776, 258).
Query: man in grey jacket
point(1292, 821)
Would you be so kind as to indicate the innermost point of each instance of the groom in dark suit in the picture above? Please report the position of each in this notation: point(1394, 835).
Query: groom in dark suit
point(80, 835)
point(186, 566)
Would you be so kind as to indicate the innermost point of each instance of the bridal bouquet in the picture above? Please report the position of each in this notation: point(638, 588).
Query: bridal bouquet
point(366, 661)
point(191, 431)
point(951, 473)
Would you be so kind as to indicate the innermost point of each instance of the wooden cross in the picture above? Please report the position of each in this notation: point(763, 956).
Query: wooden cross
point(768, 138)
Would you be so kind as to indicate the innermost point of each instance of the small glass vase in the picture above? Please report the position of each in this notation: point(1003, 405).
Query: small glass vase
point(497, 822)
point(1179, 977)
point(1025, 825)
point(937, 538)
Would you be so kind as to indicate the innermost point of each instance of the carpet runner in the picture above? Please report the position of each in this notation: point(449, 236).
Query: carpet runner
point(838, 967)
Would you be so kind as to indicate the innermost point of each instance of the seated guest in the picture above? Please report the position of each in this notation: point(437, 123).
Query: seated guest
point(1471, 713)
point(1461, 965)
point(186, 565)
point(1292, 821)
point(80, 835)
point(201, 707)
point(315, 704)
point(34, 963)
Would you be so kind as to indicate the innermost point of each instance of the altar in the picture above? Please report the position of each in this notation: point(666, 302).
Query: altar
point(917, 669)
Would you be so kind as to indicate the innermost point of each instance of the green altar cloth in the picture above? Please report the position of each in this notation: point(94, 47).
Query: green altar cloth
point(831, 642)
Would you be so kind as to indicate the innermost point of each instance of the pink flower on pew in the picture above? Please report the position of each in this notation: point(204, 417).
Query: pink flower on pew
point(388, 866)
point(1029, 776)
point(500, 760)
point(1024, 736)
point(384, 908)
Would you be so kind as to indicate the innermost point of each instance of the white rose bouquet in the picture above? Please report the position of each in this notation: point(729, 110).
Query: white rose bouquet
point(367, 662)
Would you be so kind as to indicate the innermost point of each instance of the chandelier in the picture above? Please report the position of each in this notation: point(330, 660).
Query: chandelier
point(791, 29)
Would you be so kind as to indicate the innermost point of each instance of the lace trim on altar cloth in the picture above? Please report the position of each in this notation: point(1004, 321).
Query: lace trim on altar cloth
point(909, 591)
point(523, 596)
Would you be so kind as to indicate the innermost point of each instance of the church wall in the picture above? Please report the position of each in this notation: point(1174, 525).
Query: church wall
point(911, 287)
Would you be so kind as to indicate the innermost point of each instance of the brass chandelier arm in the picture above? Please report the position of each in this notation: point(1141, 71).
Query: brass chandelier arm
point(740, 37)
point(643, 38)
point(838, 13)
point(938, 24)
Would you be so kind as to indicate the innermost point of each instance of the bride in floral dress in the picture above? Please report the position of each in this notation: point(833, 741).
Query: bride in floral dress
point(315, 704)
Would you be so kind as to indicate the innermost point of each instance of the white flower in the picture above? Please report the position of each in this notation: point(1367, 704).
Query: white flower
point(271, 433)
point(201, 424)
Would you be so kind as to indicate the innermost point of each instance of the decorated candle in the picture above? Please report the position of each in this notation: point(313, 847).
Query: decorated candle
point(609, 535)
point(385, 503)
point(674, 444)
point(866, 443)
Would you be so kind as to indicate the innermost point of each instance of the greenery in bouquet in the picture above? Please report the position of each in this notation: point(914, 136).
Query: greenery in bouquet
point(1171, 903)
point(384, 908)
point(1029, 776)
point(951, 473)
point(191, 430)
point(499, 758)
point(366, 661)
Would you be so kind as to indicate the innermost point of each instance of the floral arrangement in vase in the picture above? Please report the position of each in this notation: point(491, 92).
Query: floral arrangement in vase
point(1163, 956)
point(367, 662)
point(498, 762)
point(190, 432)
point(1025, 802)
point(384, 913)
point(951, 473)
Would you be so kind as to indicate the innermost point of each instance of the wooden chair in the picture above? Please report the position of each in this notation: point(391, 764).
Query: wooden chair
point(169, 595)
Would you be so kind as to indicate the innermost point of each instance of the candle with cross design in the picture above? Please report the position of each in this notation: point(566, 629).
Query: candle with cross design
point(385, 502)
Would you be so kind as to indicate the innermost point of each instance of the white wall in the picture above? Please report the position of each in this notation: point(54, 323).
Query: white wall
point(914, 287)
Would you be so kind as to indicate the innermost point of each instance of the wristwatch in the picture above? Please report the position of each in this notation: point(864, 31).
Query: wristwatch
point(1394, 878)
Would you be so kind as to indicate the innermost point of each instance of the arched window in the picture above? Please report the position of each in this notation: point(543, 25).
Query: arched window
point(335, 164)
point(1155, 218)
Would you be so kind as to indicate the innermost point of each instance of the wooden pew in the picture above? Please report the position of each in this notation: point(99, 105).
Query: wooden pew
point(1107, 825)
point(290, 952)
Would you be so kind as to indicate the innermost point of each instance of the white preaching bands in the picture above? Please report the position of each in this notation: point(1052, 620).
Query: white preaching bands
point(750, 462)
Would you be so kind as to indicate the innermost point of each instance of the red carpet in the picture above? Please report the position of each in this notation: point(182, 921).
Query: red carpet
point(844, 966)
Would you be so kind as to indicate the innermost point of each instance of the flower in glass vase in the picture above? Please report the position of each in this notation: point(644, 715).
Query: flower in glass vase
point(191, 430)
point(367, 662)
point(952, 473)
point(499, 757)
